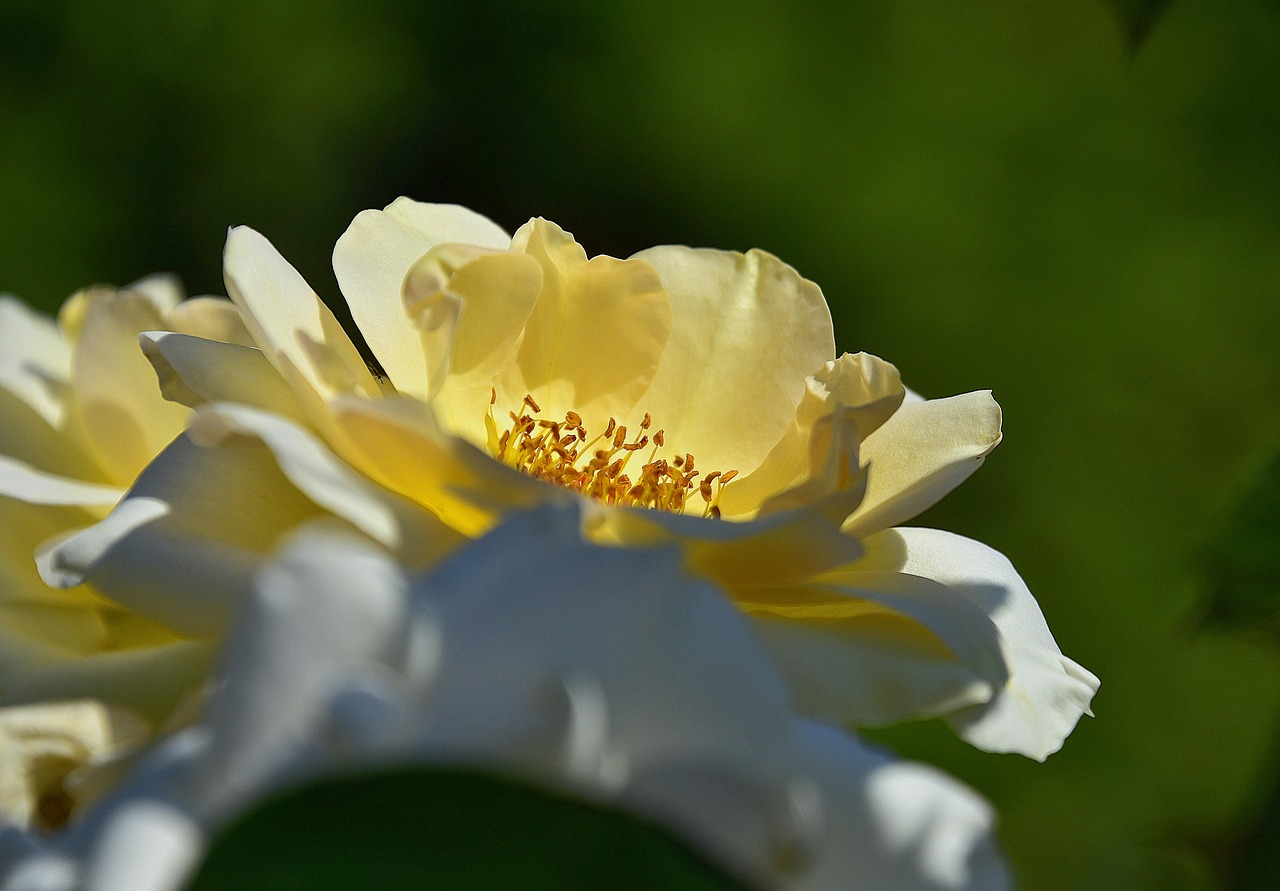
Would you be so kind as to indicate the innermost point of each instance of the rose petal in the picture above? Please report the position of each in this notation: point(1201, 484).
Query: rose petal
point(194, 371)
point(126, 417)
point(594, 338)
point(920, 454)
point(746, 329)
point(371, 260)
point(1046, 693)
point(295, 330)
point(893, 824)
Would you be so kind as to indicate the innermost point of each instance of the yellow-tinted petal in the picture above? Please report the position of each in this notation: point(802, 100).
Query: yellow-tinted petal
point(594, 338)
point(371, 260)
point(295, 330)
point(920, 454)
point(213, 318)
point(784, 547)
point(844, 401)
point(35, 361)
point(746, 329)
point(193, 371)
point(489, 297)
point(125, 416)
point(398, 444)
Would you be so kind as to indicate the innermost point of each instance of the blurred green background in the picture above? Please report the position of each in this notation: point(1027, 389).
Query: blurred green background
point(997, 195)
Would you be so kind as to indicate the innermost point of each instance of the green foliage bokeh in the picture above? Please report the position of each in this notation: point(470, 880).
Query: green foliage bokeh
point(995, 195)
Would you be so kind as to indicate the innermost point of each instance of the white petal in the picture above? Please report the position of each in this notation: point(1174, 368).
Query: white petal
point(26, 483)
point(146, 846)
point(331, 603)
point(182, 545)
point(193, 371)
point(895, 826)
point(677, 665)
point(149, 681)
point(1046, 692)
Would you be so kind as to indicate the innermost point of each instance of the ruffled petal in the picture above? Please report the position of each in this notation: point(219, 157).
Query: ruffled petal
point(371, 260)
point(920, 454)
point(593, 341)
point(844, 402)
point(490, 297)
point(746, 329)
point(1046, 693)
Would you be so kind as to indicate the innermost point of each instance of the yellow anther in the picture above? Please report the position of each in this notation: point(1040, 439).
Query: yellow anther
point(560, 452)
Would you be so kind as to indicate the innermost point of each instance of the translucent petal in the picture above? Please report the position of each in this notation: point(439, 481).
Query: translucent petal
point(746, 329)
point(594, 338)
point(920, 454)
point(371, 260)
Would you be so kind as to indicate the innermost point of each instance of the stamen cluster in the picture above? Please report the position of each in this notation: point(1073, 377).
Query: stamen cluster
point(561, 452)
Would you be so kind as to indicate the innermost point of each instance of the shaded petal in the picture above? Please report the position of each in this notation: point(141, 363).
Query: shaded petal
point(844, 402)
point(746, 329)
point(149, 681)
point(1046, 693)
point(146, 846)
point(415, 535)
point(371, 260)
point(329, 604)
point(35, 360)
point(126, 418)
point(920, 454)
point(593, 341)
point(26, 483)
point(194, 371)
point(894, 825)
point(782, 547)
point(182, 545)
point(213, 318)
point(295, 330)
point(493, 295)
point(606, 614)
point(880, 649)
point(398, 444)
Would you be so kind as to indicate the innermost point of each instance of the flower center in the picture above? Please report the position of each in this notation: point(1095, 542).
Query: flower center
point(562, 452)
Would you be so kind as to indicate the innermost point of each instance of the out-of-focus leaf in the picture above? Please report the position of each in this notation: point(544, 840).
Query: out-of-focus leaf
point(1257, 858)
point(1137, 18)
point(444, 829)
point(1244, 565)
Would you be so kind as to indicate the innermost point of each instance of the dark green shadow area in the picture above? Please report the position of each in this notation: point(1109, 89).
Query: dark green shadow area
point(449, 830)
